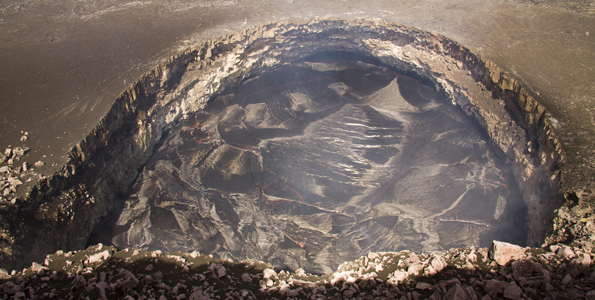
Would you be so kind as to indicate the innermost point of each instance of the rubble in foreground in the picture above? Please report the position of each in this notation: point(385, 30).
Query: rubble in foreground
point(504, 271)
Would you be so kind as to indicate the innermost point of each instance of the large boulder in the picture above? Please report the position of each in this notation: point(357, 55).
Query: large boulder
point(502, 252)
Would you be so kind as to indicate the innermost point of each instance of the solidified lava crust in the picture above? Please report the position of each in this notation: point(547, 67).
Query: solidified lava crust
point(175, 101)
point(310, 165)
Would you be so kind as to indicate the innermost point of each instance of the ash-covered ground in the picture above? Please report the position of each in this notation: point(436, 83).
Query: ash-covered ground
point(317, 162)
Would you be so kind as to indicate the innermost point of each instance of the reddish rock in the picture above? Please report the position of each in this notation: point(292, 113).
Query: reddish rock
point(494, 287)
point(470, 293)
point(513, 291)
point(456, 293)
point(423, 286)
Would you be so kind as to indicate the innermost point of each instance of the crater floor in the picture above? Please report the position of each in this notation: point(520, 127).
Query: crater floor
point(314, 164)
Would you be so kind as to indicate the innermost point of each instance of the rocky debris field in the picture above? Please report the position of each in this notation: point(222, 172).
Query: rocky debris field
point(504, 271)
point(574, 223)
point(15, 170)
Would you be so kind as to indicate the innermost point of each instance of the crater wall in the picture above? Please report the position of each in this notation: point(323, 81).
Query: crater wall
point(62, 211)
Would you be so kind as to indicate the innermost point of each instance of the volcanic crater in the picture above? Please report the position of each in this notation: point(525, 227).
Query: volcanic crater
point(305, 144)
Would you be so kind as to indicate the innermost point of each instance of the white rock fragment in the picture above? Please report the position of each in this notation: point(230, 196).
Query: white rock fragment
point(300, 272)
point(98, 257)
point(397, 276)
point(177, 258)
point(14, 181)
point(502, 252)
point(415, 268)
point(19, 151)
point(269, 274)
point(437, 264)
point(35, 267)
point(351, 280)
point(469, 266)
point(39, 163)
point(472, 256)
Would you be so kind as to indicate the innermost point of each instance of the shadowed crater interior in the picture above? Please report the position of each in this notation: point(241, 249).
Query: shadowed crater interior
point(316, 163)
